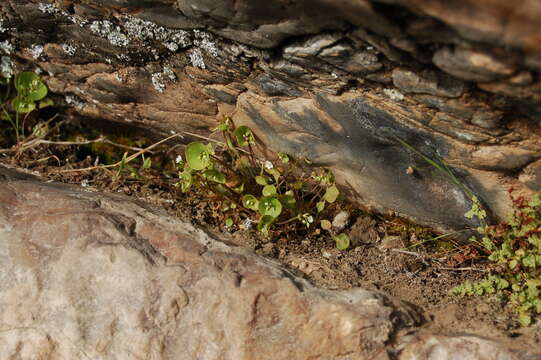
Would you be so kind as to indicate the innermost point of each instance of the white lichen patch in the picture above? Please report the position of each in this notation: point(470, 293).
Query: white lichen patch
point(196, 58)
point(6, 47)
point(393, 94)
point(123, 57)
point(157, 82)
point(74, 101)
point(160, 79)
point(48, 8)
point(206, 42)
point(69, 49)
point(109, 31)
point(36, 51)
point(6, 67)
point(143, 30)
point(169, 73)
point(76, 19)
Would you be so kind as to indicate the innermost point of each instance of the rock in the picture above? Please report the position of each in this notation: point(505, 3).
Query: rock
point(473, 65)
point(392, 242)
point(531, 176)
point(531, 93)
point(427, 82)
point(501, 158)
point(346, 58)
point(459, 347)
point(274, 87)
point(312, 46)
point(90, 275)
point(340, 220)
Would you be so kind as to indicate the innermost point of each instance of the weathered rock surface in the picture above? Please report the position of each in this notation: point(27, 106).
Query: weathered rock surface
point(86, 275)
point(456, 81)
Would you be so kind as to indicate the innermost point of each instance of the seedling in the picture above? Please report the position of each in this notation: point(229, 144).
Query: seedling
point(514, 247)
point(30, 95)
point(259, 189)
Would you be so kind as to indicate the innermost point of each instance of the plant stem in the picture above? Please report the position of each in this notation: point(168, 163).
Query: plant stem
point(288, 220)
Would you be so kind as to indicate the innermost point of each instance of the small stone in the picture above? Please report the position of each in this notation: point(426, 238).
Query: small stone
point(531, 176)
point(501, 157)
point(340, 221)
point(522, 78)
point(474, 65)
point(392, 242)
point(312, 46)
point(410, 170)
point(326, 254)
point(427, 82)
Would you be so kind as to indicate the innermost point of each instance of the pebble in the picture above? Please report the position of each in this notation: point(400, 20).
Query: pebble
point(340, 221)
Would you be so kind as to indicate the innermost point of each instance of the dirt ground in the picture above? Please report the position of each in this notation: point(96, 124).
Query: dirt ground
point(381, 256)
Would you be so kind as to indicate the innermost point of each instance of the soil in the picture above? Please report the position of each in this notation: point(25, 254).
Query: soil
point(381, 256)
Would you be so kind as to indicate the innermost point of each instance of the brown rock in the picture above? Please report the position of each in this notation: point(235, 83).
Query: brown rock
point(427, 82)
point(531, 176)
point(501, 158)
point(94, 274)
point(474, 65)
point(459, 347)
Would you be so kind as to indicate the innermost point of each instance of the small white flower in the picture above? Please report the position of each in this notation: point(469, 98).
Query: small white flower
point(85, 183)
point(178, 160)
point(247, 223)
point(310, 219)
point(268, 165)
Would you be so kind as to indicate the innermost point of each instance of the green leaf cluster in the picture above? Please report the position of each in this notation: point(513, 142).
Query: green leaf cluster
point(21, 96)
point(514, 247)
point(271, 194)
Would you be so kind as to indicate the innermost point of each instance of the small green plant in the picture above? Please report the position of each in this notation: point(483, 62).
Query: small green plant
point(270, 194)
point(30, 95)
point(514, 247)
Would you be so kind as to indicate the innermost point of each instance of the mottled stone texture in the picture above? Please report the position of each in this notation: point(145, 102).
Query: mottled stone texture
point(86, 275)
point(344, 83)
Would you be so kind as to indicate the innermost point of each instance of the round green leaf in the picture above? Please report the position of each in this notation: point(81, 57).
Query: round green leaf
point(215, 176)
point(29, 85)
point(250, 202)
point(342, 241)
point(326, 224)
point(261, 180)
point(228, 222)
point(22, 105)
point(320, 206)
point(331, 194)
point(244, 136)
point(197, 155)
point(270, 205)
point(269, 190)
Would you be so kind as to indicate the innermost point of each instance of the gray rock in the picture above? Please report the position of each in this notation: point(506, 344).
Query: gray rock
point(274, 87)
point(501, 157)
point(531, 176)
point(346, 58)
point(88, 275)
point(340, 221)
point(427, 82)
point(312, 46)
point(474, 65)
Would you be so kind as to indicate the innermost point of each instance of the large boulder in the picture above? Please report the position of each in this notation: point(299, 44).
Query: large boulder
point(87, 275)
